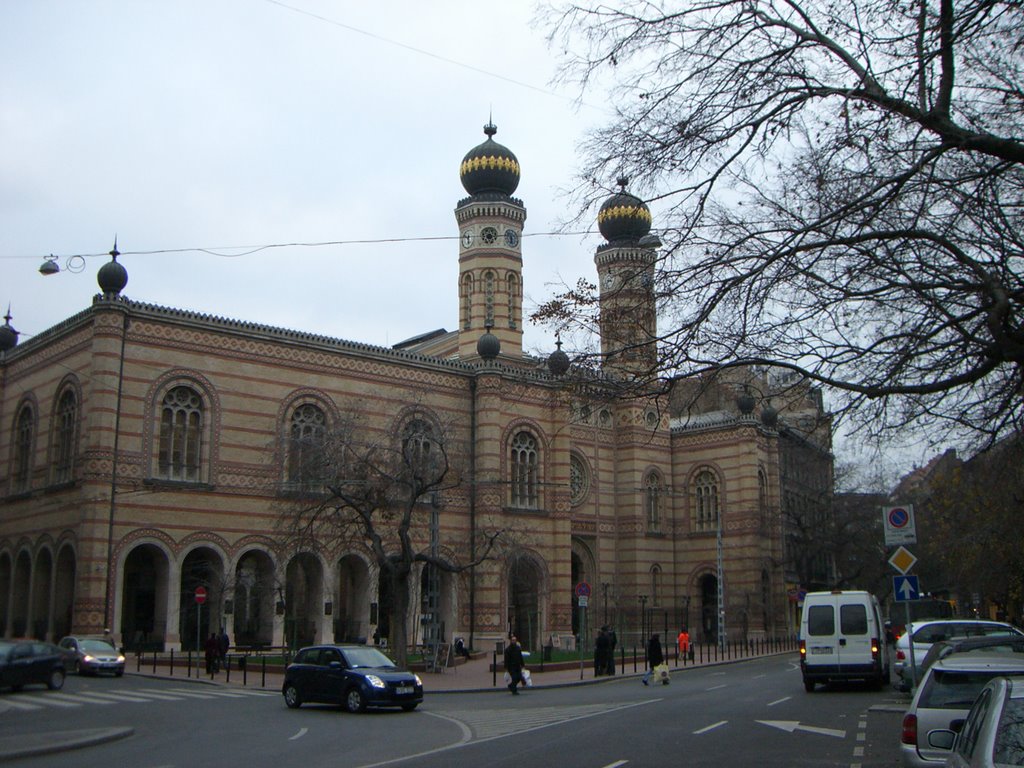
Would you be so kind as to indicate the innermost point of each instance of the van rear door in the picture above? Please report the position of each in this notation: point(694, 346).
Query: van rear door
point(854, 635)
point(822, 640)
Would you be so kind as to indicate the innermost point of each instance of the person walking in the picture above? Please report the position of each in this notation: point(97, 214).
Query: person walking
point(223, 644)
point(514, 664)
point(654, 658)
point(212, 650)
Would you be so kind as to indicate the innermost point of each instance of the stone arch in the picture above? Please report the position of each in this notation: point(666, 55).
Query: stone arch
point(303, 599)
point(65, 573)
point(201, 564)
point(707, 607)
point(6, 584)
point(20, 592)
point(254, 589)
point(41, 600)
point(526, 592)
point(352, 597)
point(145, 595)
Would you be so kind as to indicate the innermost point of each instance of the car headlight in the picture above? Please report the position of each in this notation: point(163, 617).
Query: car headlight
point(88, 659)
point(418, 681)
point(120, 659)
point(375, 681)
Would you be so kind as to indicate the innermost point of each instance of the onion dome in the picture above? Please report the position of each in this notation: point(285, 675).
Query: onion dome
point(623, 217)
point(112, 277)
point(558, 361)
point(746, 403)
point(489, 167)
point(769, 416)
point(488, 346)
point(8, 336)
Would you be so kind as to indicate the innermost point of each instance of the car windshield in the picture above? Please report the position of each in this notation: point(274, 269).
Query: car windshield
point(96, 646)
point(1009, 749)
point(366, 657)
point(948, 689)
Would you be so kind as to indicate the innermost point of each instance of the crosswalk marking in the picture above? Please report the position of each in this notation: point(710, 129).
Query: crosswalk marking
point(27, 702)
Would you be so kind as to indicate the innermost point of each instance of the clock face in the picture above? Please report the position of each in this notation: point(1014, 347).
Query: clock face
point(467, 239)
point(511, 238)
point(489, 235)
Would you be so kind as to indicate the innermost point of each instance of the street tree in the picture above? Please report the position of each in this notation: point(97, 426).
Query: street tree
point(356, 487)
point(839, 188)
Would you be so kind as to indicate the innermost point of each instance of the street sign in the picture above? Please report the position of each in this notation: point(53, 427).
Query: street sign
point(906, 588)
point(899, 525)
point(200, 595)
point(902, 560)
point(583, 589)
point(583, 601)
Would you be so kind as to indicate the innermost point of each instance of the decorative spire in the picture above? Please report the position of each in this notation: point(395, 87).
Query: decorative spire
point(8, 336)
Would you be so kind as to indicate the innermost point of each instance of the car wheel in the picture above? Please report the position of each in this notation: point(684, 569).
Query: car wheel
point(119, 673)
point(56, 680)
point(809, 686)
point(76, 667)
point(409, 707)
point(354, 700)
point(291, 696)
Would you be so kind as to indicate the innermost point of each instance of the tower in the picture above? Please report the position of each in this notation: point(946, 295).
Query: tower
point(490, 257)
point(625, 270)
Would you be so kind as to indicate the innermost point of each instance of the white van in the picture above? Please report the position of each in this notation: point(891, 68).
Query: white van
point(842, 638)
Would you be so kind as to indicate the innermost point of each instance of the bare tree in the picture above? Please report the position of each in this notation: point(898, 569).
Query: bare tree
point(840, 186)
point(356, 486)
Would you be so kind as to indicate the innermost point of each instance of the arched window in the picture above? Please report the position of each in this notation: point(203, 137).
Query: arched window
point(305, 448)
point(422, 452)
point(467, 301)
point(65, 436)
point(489, 299)
point(23, 436)
point(579, 479)
point(181, 435)
point(525, 471)
point(705, 491)
point(652, 501)
point(513, 299)
point(656, 595)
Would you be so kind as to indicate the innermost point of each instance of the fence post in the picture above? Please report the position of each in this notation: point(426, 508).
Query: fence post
point(263, 680)
point(494, 668)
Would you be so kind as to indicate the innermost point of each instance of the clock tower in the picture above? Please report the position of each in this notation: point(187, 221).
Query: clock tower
point(490, 249)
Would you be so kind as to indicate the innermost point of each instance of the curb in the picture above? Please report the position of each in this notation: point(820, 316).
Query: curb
point(33, 745)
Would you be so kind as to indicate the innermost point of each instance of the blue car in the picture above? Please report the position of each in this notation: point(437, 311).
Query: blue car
point(353, 676)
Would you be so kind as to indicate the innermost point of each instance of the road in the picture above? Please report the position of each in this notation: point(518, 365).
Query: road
point(747, 713)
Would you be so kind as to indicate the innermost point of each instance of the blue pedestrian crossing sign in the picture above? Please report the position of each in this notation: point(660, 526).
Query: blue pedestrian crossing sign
point(906, 588)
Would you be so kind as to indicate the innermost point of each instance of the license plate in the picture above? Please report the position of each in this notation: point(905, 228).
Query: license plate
point(402, 690)
point(821, 650)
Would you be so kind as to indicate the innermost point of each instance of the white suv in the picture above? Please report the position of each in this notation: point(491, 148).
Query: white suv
point(927, 632)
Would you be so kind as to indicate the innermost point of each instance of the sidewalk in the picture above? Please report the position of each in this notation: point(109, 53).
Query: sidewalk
point(473, 676)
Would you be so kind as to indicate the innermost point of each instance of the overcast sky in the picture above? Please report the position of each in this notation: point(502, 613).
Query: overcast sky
point(227, 125)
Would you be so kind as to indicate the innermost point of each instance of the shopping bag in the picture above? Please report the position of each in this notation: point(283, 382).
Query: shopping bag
point(508, 678)
point(661, 672)
point(527, 678)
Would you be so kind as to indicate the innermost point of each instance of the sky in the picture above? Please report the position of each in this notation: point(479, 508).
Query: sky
point(198, 131)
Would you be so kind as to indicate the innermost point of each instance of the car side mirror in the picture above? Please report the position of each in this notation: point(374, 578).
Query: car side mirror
point(942, 739)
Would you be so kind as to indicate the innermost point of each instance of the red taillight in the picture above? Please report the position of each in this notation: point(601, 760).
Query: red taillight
point(803, 649)
point(901, 656)
point(874, 648)
point(909, 730)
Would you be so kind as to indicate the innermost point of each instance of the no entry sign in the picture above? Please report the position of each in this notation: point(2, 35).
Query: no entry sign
point(200, 595)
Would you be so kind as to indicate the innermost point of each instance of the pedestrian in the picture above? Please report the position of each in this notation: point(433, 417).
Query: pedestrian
point(613, 640)
point(684, 642)
point(655, 658)
point(223, 643)
point(601, 652)
point(514, 664)
point(212, 650)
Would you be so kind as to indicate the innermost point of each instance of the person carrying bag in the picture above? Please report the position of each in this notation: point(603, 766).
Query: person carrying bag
point(655, 662)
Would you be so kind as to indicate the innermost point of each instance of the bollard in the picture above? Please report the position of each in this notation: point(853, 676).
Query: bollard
point(244, 664)
point(188, 668)
point(170, 668)
point(263, 682)
point(494, 668)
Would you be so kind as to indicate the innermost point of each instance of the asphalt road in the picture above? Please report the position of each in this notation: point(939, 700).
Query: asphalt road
point(747, 713)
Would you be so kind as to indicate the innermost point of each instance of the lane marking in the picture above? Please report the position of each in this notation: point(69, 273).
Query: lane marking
point(615, 764)
point(711, 727)
point(779, 701)
point(717, 687)
point(302, 732)
point(794, 725)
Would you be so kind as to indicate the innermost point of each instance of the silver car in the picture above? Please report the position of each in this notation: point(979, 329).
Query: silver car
point(944, 697)
point(925, 633)
point(993, 734)
point(91, 656)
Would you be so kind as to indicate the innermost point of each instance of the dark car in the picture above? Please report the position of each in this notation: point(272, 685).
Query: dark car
point(91, 655)
point(30, 661)
point(356, 677)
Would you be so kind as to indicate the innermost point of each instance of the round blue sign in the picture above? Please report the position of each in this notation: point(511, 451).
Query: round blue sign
point(898, 517)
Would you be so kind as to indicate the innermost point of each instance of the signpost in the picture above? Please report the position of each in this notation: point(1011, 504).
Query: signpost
point(905, 588)
point(899, 524)
point(200, 596)
point(582, 591)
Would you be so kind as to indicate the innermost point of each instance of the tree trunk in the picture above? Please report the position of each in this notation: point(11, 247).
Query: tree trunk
point(400, 615)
